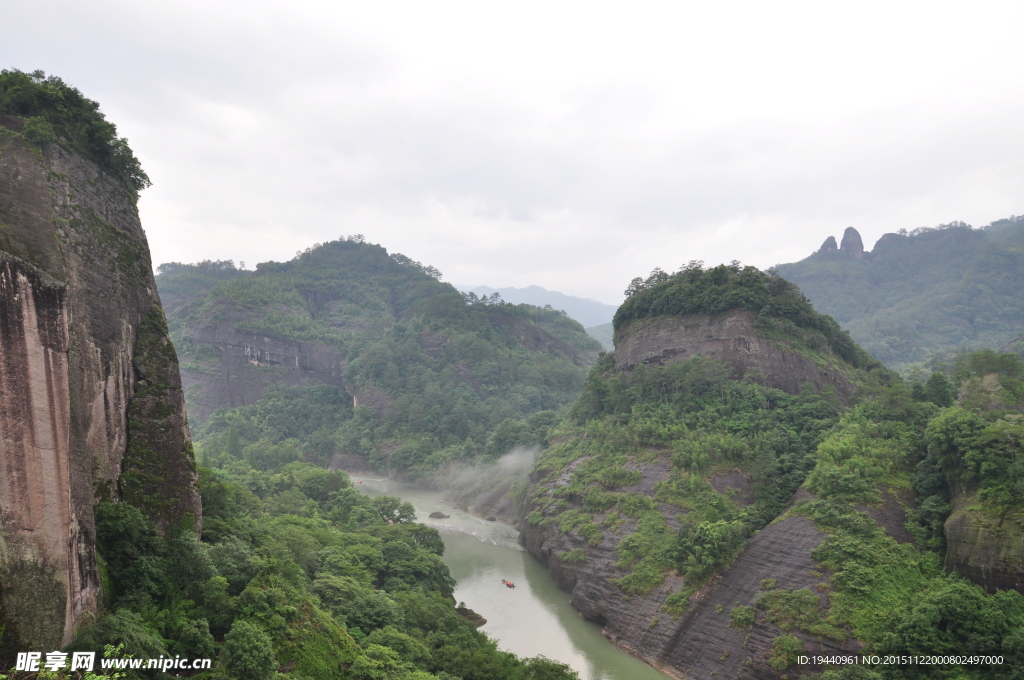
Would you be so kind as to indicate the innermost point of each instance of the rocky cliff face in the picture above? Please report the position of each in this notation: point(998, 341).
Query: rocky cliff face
point(728, 337)
point(701, 642)
point(984, 547)
point(91, 406)
point(852, 244)
point(248, 363)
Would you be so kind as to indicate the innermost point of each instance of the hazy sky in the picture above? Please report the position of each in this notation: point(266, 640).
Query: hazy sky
point(573, 145)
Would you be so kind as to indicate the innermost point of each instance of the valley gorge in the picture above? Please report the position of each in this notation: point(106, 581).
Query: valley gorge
point(736, 485)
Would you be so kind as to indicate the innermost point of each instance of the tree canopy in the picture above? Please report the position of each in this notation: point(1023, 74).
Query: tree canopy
point(56, 111)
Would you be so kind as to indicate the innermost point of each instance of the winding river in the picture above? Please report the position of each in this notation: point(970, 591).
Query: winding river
point(534, 618)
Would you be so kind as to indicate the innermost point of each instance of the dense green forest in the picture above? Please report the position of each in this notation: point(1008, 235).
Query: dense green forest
point(456, 379)
point(923, 294)
point(56, 112)
point(297, 576)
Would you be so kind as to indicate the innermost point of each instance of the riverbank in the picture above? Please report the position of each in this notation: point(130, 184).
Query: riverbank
point(535, 617)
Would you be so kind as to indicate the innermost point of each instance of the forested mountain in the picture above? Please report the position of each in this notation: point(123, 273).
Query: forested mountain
point(721, 519)
point(739, 484)
point(603, 334)
point(350, 353)
point(921, 293)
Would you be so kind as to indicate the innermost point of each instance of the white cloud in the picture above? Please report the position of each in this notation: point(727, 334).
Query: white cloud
point(567, 144)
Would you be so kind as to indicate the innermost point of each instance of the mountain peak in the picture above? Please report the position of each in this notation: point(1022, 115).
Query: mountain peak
point(852, 243)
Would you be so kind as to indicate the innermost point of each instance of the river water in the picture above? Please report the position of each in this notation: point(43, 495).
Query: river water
point(535, 617)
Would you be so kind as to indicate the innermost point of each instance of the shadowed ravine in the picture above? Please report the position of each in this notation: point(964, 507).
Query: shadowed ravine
point(536, 617)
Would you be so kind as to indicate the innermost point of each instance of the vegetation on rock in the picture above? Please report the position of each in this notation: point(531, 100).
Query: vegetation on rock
point(782, 309)
point(705, 425)
point(57, 112)
point(878, 480)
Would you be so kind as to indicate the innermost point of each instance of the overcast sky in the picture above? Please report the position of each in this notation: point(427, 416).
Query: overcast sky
point(572, 145)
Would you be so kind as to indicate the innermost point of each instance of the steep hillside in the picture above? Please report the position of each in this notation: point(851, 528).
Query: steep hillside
point(91, 407)
point(720, 518)
point(603, 334)
point(921, 293)
point(416, 374)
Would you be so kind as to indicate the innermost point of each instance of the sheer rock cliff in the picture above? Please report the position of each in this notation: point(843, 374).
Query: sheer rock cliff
point(91, 406)
point(985, 547)
point(729, 337)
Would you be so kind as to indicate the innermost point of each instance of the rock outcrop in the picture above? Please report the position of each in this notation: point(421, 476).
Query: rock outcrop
point(852, 244)
point(91, 406)
point(829, 245)
point(617, 506)
point(248, 363)
point(728, 337)
point(985, 548)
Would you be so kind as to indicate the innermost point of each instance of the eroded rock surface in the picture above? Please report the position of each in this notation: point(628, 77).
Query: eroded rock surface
point(249, 363)
point(985, 548)
point(700, 643)
point(852, 244)
point(727, 337)
point(77, 389)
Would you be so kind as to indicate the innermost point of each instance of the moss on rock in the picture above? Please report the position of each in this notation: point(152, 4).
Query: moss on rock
point(159, 471)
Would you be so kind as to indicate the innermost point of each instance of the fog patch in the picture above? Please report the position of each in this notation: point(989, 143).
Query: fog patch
point(495, 491)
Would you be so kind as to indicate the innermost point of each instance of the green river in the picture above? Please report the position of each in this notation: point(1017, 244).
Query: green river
point(535, 617)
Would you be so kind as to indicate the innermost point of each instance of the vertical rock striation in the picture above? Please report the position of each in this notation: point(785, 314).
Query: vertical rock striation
point(91, 406)
point(729, 337)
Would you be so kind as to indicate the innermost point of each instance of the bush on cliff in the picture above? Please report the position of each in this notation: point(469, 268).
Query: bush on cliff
point(896, 597)
point(59, 112)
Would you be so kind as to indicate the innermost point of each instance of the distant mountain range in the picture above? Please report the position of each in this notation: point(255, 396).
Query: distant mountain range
point(921, 294)
point(588, 312)
point(595, 316)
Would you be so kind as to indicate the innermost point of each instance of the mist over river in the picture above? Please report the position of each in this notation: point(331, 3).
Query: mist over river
point(534, 618)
